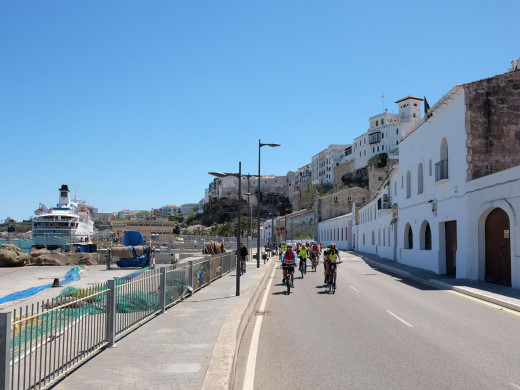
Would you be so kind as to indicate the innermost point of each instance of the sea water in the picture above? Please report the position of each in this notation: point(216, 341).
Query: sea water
point(24, 245)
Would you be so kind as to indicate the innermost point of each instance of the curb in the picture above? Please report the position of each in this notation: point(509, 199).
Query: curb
point(221, 369)
point(446, 286)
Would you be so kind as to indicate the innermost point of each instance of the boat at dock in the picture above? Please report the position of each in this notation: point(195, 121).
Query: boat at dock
point(68, 223)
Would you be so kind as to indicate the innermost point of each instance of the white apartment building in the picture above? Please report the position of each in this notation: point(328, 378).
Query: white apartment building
point(386, 131)
point(452, 205)
point(323, 163)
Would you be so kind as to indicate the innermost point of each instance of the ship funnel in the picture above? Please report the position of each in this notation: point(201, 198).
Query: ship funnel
point(64, 195)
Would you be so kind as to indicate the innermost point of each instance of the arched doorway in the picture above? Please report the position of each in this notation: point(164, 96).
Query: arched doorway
point(498, 248)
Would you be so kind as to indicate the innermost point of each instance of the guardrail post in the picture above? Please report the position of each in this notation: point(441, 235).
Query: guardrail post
point(191, 275)
point(111, 312)
point(109, 258)
point(5, 345)
point(162, 290)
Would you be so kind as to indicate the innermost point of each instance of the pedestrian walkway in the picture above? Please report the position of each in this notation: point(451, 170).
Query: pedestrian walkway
point(173, 350)
point(500, 295)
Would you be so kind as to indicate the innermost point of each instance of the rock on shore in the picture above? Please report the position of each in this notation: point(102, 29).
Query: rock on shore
point(47, 257)
point(12, 256)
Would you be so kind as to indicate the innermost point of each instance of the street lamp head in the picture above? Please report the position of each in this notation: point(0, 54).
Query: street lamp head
point(271, 145)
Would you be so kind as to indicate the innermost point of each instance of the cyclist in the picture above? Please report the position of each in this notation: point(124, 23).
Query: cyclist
point(315, 253)
point(333, 257)
point(289, 261)
point(303, 254)
point(243, 255)
point(283, 248)
point(326, 253)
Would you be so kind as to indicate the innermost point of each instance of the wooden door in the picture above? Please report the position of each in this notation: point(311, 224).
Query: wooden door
point(450, 229)
point(498, 248)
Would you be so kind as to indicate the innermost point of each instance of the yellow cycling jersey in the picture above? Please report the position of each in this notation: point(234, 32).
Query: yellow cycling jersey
point(333, 256)
point(303, 252)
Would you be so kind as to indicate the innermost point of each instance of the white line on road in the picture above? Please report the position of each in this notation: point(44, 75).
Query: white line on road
point(353, 288)
point(515, 386)
point(249, 379)
point(400, 319)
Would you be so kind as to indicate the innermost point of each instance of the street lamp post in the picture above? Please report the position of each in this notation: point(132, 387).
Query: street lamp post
point(239, 176)
point(260, 144)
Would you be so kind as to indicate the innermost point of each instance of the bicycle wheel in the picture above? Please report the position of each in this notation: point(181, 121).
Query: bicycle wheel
point(334, 284)
point(301, 268)
point(288, 282)
point(305, 266)
point(330, 284)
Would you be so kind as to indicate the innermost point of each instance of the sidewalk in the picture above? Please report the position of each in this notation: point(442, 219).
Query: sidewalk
point(173, 350)
point(494, 293)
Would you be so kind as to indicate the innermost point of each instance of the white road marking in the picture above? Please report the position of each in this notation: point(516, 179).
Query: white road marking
point(249, 379)
point(515, 386)
point(353, 288)
point(400, 319)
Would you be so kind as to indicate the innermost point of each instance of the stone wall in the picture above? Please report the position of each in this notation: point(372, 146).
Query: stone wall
point(493, 124)
point(338, 203)
point(340, 170)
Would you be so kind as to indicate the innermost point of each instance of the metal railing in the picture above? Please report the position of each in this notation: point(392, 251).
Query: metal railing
point(39, 344)
point(441, 170)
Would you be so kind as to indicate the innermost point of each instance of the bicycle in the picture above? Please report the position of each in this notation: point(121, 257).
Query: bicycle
point(331, 277)
point(242, 265)
point(314, 261)
point(303, 265)
point(287, 278)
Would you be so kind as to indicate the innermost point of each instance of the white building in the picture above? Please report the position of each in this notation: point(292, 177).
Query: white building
point(456, 208)
point(386, 131)
point(337, 230)
point(323, 163)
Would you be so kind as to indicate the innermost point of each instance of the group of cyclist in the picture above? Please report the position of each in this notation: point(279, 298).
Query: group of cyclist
point(303, 251)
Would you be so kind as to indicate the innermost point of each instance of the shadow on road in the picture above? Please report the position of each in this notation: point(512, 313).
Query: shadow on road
point(403, 279)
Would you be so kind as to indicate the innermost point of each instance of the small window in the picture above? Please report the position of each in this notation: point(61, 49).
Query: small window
point(364, 153)
point(415, 104)
point(377, 123)
point(382, 147)
point(397, 131)
point(430, 167)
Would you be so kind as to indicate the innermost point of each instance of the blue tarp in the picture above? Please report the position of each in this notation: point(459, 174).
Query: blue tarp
point(141, 261)
point(71, 275)
point(133, 238)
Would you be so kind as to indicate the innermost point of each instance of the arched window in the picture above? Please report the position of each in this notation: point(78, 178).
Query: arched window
point(444, 149)
point(428, 238)
point(425, 241)
point(441, 168)
point(408, 184)
point(420, 179)
point(408, 238)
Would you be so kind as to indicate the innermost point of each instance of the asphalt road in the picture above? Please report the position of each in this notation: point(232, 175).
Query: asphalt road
point(380, 331)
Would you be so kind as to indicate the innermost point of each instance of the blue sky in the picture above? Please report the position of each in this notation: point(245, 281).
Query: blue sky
point(132, 103)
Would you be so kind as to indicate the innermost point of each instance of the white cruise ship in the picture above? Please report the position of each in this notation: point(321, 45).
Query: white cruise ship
point(68, 222)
